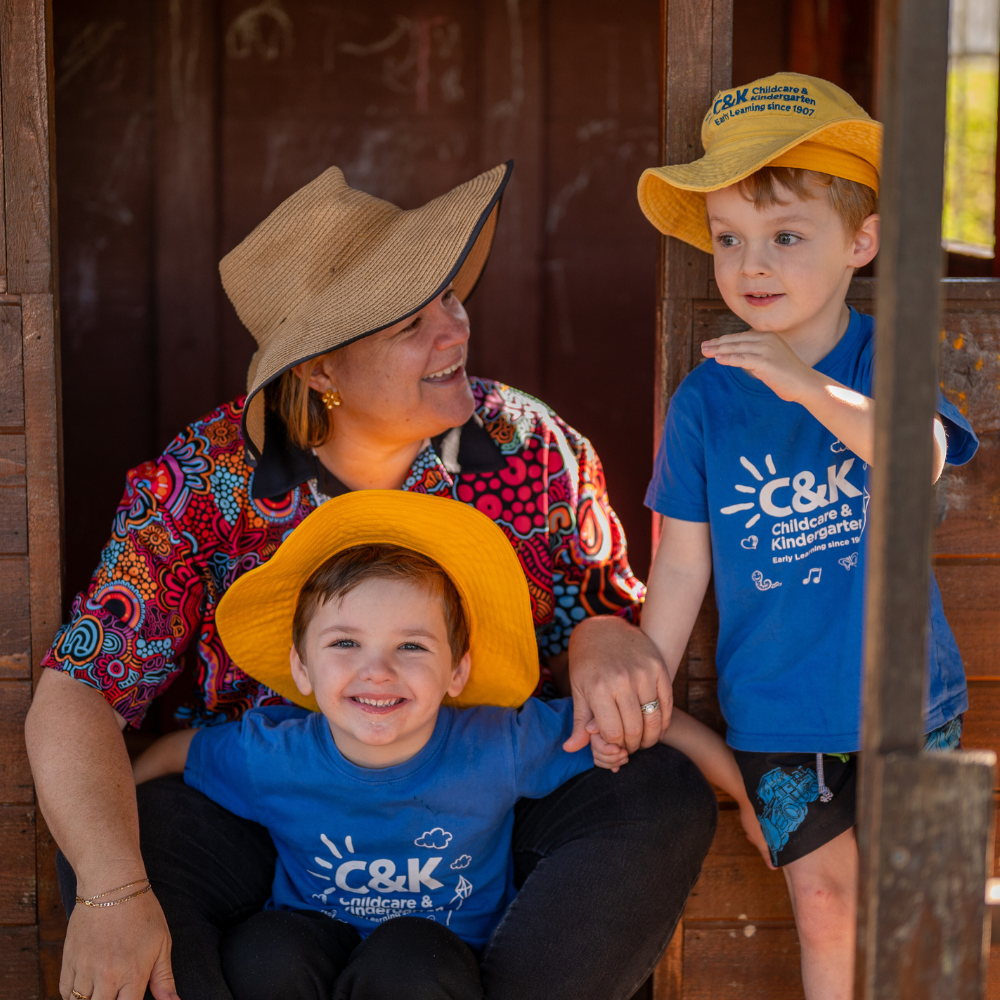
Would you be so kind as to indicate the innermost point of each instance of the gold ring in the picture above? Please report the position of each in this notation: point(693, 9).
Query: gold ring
point(80, 996)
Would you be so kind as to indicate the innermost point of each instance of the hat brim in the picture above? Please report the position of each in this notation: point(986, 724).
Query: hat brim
point(466, 269)
point(254, 617)
point(673, 197)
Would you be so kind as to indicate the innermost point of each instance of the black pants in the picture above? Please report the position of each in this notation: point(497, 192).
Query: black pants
point(604, 866)
point(304, 955)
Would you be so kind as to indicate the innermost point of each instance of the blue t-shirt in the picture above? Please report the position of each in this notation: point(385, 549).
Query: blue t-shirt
point(787, 505)
point(430, 837)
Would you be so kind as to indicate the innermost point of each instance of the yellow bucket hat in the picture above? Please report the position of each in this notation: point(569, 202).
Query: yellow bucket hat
point(784, 120)
point(254, 617)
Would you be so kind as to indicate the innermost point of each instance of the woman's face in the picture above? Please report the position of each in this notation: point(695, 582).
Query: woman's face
point(407, 382)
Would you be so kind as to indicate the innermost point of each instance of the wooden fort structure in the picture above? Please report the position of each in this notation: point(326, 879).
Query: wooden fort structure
point(174, 126)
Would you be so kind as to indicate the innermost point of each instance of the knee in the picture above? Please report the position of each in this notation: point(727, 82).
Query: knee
point(824, 911)
point(411, 956)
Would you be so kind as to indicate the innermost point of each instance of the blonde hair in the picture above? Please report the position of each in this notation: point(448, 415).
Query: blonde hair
point(308, 421)
point(852, 201)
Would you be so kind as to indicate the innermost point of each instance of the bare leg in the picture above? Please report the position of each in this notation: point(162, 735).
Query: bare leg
point(824, 890)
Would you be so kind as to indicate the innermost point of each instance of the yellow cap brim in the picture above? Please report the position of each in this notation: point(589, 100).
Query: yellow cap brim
point(673, 197)
point(254, 617)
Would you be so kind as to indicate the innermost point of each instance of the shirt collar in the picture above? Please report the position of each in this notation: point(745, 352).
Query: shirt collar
point(283, 465)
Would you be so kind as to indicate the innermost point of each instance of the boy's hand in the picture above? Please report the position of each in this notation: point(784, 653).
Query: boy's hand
point(607, 755)
point(768, 357)
point(751, 827)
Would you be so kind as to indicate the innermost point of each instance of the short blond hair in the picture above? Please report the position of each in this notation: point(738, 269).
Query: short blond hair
point(852, 201)
point(306, 417)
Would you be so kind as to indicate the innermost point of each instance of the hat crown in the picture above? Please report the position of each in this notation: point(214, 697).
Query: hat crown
point(783, 103)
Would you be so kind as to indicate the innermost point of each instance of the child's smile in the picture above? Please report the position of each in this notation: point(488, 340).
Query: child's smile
point(379, 662)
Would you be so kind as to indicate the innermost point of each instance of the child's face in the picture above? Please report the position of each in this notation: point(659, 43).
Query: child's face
point(785, 266)
point(379, 664)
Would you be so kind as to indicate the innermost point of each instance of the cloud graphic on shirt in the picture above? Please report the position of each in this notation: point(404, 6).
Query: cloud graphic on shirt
point(436, 840)
point(463, 862)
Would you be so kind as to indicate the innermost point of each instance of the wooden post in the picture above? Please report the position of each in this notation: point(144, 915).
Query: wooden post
point(696, 60)
point(924, 820)
point(30, 482)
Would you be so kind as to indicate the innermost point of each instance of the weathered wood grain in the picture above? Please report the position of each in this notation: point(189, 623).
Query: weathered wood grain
point(17, 873)
point(971, 597)
point(982, 720)
point(19, 962)
point(29, 182)
point(15, 775)
point(741, 960)
point(668, 980)
point(11, 376)
point(15, 623)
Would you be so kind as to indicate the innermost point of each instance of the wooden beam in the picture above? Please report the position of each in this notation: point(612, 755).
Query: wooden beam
point(924, 820)
point(696, 61)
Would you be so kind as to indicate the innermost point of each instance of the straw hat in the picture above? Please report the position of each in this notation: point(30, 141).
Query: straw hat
point(332, 264)
point(255, 614)
point(785, 120)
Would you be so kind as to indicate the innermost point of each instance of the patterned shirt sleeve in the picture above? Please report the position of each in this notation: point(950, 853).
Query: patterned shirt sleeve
point(591, 572)
point(127, 632)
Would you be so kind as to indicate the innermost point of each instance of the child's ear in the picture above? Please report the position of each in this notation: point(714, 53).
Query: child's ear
point(460, 675)
point(299, 674)
point(866, 241)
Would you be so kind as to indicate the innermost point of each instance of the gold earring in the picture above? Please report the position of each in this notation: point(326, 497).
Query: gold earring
point(331, 398)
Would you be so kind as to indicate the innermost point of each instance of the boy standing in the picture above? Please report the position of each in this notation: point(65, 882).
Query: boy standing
point(761, 477)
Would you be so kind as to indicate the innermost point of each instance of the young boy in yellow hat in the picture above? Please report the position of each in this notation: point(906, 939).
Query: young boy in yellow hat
point(761, 476)
point(386, 805)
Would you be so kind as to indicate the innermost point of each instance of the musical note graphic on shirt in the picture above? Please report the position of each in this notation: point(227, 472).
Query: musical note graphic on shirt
point(814, 575)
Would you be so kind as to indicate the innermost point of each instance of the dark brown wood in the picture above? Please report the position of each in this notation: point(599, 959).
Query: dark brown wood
point(17, 873)
point(19, 962)
point(11, 377)
point(28, 175)
point(188, 350)
point(15, 775)
point(741, 960)
point(15, 624)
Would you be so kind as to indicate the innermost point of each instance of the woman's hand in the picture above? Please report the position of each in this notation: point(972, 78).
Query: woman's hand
point(613, 669)
point(751, 827)
point(112, 952)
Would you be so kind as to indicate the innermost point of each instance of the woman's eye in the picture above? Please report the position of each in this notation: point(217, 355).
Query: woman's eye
point(728, 240)
point(786, 239)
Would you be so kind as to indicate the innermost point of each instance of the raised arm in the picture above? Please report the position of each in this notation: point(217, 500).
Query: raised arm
point(84, 784)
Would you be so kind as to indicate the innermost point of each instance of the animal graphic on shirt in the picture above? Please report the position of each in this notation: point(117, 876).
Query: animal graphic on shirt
point(849, 562)
point(761, 583)
point(784, 799)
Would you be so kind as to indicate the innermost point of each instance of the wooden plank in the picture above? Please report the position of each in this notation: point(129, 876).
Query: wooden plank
point(17, 874)
point(13, 520)
point(982, 720)
point(188, 353)
point(51, 916)
point(29, 181)
point(668, 980)
point(15, 775)
point(15, 623)
point(508, 308)
point(43, 427)
point(11, 377)
point(19, 962)
point(741, 961)
point(971, 597)
point(735, 883)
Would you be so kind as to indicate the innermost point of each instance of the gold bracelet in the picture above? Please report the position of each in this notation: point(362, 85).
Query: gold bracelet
point(115, 902)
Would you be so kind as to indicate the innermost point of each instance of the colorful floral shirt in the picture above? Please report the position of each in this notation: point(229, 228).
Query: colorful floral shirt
point(194, 520)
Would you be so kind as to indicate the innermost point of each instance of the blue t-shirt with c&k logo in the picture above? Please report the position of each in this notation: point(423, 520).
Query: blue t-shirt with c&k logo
point(787, 505)
point(430, 837)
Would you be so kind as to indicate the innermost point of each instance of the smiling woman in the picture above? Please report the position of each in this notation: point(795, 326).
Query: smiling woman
point(359, 383)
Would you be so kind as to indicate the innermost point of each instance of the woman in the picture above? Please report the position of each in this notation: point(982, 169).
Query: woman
point(358, 383)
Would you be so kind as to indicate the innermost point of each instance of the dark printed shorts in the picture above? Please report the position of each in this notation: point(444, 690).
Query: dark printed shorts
point(785, 793)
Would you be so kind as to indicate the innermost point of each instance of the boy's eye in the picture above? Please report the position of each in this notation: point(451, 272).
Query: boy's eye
point(343, 644)
point(728, 240)
point(786, 239)
point(410, 646)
